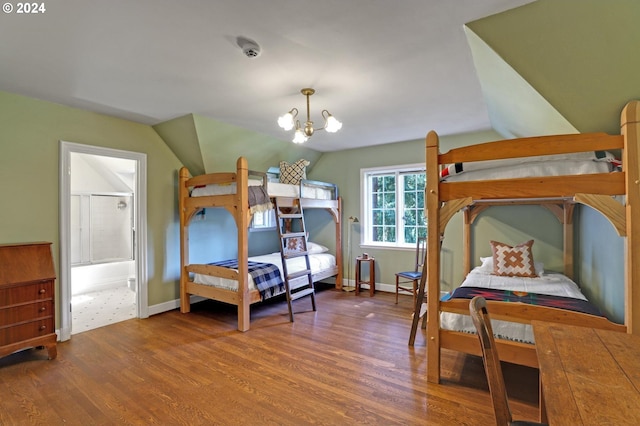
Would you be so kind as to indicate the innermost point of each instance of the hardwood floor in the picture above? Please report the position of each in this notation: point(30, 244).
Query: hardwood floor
point(348, 363)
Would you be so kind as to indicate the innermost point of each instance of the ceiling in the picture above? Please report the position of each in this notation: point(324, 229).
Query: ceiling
point(389, 70)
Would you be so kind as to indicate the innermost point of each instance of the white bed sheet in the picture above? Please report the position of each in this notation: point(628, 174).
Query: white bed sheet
point(533, 169)
point(553, 284)
point(274, 189)
point(318, 262)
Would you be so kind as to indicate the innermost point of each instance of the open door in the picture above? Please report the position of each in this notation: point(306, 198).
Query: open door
point(84, 249)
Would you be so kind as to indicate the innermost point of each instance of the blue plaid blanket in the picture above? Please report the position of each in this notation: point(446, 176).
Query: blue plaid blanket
point(266, 276)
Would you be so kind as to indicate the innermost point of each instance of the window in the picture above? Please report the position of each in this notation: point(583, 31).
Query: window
point(393, 205)
point(263, 221)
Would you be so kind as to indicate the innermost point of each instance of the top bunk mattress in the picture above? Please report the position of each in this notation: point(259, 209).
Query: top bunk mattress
point(274, 189)
point(547, 165)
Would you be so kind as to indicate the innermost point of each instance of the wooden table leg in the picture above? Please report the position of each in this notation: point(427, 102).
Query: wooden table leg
point(358, 264)
point(543, 410)
point(372, 277)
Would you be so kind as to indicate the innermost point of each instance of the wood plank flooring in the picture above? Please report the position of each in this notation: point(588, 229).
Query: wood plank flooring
point(346, 364)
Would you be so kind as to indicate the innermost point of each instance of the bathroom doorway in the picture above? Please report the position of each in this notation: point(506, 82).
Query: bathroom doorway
point(103, 252)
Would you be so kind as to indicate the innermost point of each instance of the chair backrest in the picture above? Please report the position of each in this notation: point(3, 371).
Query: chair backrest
point(492, 367)
point(421, 252)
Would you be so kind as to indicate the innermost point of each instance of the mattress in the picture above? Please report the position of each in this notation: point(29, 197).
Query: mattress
point(548, 165)
point(552, 284)
point(318, 262)
point(274, 189)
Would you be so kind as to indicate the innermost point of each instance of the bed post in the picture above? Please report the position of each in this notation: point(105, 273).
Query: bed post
point(433, 258)
point(630, 129)
point(185, 303)
point(339, 259)
point(567, 237)
point(242, 218)
point(467, 220)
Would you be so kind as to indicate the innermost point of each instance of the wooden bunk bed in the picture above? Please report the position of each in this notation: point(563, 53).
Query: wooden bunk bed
point(237, 203)
point(558, 193)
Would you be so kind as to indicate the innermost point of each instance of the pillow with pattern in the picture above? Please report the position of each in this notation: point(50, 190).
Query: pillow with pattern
point(294, 245)
point(514, 261)
point(486, 266)
point(293, 173)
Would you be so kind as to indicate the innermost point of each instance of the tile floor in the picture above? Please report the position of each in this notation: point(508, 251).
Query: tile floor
point(100, 308)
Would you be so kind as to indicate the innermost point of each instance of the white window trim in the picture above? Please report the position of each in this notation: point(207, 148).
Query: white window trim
point(365, 207)
point(269, 221)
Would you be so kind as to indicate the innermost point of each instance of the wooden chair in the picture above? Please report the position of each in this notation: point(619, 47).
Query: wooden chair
point(414, 276)
point(492, 367)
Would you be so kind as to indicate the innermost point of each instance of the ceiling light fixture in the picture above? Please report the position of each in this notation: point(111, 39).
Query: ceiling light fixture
point(302, 134)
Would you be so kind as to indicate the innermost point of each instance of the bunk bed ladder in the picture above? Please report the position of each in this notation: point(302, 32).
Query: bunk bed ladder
point(293, 244)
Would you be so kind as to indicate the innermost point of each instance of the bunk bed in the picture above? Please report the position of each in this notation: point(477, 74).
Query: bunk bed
point(615, 195)
point(241, 192)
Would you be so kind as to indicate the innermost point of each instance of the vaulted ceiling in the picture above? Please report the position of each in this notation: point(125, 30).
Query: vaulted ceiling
point(391, 71)
point(555, 61)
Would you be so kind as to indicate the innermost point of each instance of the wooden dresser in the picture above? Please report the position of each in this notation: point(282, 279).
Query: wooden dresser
point(27, 309)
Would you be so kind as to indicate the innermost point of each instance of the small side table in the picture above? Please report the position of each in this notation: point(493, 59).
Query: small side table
point(372, 274)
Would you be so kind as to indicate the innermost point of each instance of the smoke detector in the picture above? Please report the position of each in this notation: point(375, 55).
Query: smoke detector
point(250, 48)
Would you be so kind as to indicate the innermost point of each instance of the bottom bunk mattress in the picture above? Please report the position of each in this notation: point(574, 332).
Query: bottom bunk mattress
point(275, 285)
point(548, 289)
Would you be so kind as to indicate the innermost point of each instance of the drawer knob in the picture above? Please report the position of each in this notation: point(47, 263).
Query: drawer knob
point(43, 308)
point(42, 291)
point(43, 327)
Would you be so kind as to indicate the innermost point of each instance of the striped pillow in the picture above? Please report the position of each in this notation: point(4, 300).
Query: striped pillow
point(513, 261)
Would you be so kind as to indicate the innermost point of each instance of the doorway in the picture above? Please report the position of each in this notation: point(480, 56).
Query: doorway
point(102, 237)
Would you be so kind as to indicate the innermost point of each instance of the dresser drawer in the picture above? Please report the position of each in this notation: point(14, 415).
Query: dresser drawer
point(26, 312)
point(14, 295)
point(26, 331)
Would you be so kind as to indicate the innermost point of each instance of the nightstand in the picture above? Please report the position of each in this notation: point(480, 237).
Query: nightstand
point(372, 274)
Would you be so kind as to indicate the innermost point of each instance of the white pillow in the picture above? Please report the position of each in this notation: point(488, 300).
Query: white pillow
point(487, 266)
point(314, 248)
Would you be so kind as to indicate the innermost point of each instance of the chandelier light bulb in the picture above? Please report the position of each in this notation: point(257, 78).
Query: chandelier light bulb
point(333, 125)
point(299, 136)
point(286, 121)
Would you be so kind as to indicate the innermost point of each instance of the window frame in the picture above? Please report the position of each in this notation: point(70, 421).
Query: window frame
point(263, 221)
point(366, 217)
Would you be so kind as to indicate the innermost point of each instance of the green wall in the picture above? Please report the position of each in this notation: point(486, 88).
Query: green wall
point(579, 55)
point(30, 131)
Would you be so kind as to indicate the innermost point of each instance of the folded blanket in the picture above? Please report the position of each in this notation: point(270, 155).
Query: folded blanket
point(266, 276)
point(259, 200)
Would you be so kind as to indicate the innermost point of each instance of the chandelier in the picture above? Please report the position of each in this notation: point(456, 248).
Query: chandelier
point(302, 134)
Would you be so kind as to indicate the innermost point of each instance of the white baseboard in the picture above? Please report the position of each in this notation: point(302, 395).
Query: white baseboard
point(388, 288)
point(171, 305)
